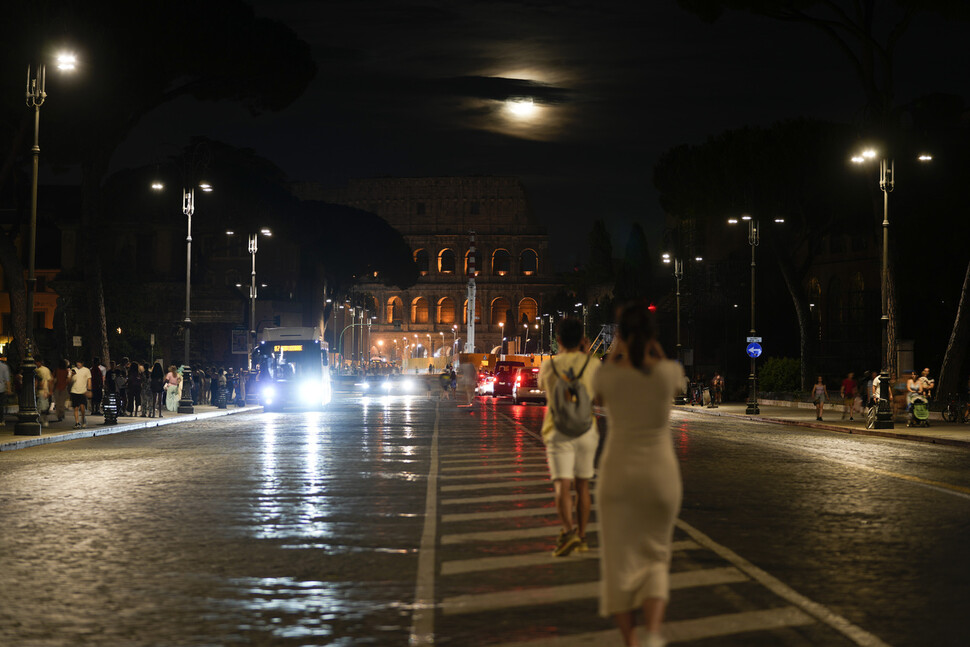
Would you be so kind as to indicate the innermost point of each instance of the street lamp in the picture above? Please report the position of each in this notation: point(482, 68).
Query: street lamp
point(884, 415)
point(667, 259)
point(754, 239)
point(525, 337)
point(501, 327)
point(28, 422)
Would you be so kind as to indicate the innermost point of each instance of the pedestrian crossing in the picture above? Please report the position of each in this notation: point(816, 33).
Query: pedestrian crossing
point(496, 575)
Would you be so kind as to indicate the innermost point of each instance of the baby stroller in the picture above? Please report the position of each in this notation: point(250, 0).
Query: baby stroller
point(919, 413)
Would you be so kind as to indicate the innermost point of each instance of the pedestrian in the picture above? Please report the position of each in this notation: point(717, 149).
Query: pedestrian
point(913, 390)
point(453, 383)
point(718, 384)
point(45, 385)
point(926, 384)
point(97, 386)
point(639, 491)
point(172, 389)
point(61, 375)
point(570, 457)
point(136, 377)
point(6, 388)
point(157, 381)
point(868, 398)
point(445, 381)
point(819, 396)
point(80, 392)
point(121, 385)
point(468, 380)
point(146, 388)
point(847, 393)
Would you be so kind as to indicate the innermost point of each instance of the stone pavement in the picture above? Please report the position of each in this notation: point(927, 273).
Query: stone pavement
point(64, 430)
point(944, 433)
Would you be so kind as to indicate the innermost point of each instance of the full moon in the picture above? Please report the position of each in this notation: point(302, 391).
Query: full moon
point(522, 108)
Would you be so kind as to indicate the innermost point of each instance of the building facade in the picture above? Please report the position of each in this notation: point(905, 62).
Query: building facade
point(436, 216)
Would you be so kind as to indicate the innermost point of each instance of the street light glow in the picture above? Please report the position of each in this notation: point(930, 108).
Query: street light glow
point(157, 186)
point(732, 221)
point(745, 217)
point(779, 220)
point(66, 62)
point(205, 186)
point(925, 157)
point(869, 154)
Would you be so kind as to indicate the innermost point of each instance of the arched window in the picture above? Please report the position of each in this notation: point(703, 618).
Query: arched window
point(529, 262)
point(370, 302)
point(478, 262)
point(419, 311)
point(527, 311)
point(446, 311)
point(501, 308)
point(446, 261)
point(422, 261)
point(395, 310)
point(478, 311)
point(501, 262)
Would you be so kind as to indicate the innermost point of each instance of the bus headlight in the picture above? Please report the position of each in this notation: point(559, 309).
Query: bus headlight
point(268, 395)
point(407, 385)
point(311, 392)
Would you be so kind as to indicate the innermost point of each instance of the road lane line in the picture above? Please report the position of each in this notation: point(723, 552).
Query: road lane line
point(503, 484)
point(687, 630)
point(422, 620)
point(476, 457)
point(508, 474)
point(782, 590)
point(461, 566)
point(498, 498)
point(476, 603)
point(502, 514)
point(551, 531)
point(481, 468)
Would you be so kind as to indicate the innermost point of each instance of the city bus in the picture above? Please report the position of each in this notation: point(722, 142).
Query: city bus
point(292, 369)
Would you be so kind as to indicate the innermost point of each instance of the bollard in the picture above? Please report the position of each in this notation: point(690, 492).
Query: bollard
point(221, 396)
point(110, 408)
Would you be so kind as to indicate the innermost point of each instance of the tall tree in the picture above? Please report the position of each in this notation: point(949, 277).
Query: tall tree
point(214, 50)
point(635, 275)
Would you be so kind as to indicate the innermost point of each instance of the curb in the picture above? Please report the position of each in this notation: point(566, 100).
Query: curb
point(845, 430)
point(108, 430)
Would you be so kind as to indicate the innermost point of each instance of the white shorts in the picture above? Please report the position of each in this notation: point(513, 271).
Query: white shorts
point(571, 458)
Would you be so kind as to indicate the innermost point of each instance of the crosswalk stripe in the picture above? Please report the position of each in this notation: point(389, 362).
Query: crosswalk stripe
point(687, 630)
point(493, 466)
point(460, 566)
point(503, 484)
point(503, 474)
point(551, 531)
point(517, 599)
point(498, 498)
point(475, 457)
point(501, 514)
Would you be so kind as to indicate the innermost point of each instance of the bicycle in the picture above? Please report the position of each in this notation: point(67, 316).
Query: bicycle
point(954, 410)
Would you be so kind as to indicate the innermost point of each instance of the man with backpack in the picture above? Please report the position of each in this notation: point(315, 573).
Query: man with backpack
point(569, 431)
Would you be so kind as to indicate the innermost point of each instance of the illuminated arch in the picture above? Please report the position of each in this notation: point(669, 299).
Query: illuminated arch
point(478, 311)
point(422, 260)
point(419, 310)
point(501, 262)
point(500, 309)
point(529, 262)
point(446, 311)
point(446, 261)
point(528, 310)
point(395, 310)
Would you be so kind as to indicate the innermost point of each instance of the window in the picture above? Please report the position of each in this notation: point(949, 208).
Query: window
point(478, 262)
point(446, 311)
point(446, 261)
point(529, 262)
point(527, 311)
point(422, 261)
point(501, 262)
point(501, 311)
point(419, 311)
point(395, 310)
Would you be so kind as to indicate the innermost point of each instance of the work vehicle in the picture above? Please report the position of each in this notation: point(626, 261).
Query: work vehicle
point(505, 378)
point(525, 387)
point(292, 369)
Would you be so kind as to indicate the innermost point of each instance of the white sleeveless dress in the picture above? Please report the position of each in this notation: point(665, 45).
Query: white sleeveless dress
point(639, 488)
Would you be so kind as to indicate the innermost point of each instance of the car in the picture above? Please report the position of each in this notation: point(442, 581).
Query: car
point(390, 385)
point(486, 384)
point(525, 387)
point(505, 378)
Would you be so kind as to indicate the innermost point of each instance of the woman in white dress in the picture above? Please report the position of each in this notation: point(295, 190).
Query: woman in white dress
point(639, 490)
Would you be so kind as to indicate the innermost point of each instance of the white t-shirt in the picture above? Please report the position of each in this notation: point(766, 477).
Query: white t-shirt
point(563, 362)
point(81, 378)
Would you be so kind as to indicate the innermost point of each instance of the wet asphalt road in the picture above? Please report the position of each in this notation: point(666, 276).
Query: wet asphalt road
point(305, 529)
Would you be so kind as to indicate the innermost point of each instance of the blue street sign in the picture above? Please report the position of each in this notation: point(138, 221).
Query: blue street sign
point(753, 349)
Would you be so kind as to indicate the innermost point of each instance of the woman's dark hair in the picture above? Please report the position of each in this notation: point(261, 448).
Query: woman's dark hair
point(638, 325)
point(157, 373)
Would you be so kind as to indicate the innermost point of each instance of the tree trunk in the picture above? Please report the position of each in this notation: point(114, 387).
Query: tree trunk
point(956, 350)
point(806, 342)
point(13, 270)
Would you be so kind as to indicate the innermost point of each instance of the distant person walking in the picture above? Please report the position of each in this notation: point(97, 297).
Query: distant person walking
point(819, 396)
point(848, 393)
point(570, 453)
point(172, 389)
point(639, 491)
point(80, 392)
point(157, 381)
point(45, 385)
point(61, 376)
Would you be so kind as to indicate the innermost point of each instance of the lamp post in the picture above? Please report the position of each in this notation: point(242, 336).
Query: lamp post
point(188, 208)
point(681, 398)
point(884, 415)
point(754, 239)
point(501, 327)
point(525, 337)
point(28, 422)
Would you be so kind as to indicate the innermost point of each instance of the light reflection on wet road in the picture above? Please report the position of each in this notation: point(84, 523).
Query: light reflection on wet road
point(303, 529)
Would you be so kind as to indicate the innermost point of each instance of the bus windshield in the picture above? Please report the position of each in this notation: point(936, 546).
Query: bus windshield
point(292, 360)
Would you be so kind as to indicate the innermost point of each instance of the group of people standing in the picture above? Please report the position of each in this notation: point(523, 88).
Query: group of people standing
point(856, 397)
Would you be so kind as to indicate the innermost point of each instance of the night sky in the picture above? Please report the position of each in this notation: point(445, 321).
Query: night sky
point(420, 88)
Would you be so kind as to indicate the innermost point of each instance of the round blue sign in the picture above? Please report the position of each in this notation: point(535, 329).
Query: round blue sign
point(753, 349)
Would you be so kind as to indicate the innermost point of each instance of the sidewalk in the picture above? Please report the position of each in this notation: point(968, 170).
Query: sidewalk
point(64, 430)
point(943, 433)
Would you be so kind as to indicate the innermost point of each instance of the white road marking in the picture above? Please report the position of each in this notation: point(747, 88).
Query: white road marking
point(493, 466)
point(498, 498)
point(503, 484)
point(476, 457)
point(517, 599)
point(459, 566)
point(687, 630)
point(551, 531)
point(502, 514)
point(782, 590)
point(505, 474)
point(422, 620)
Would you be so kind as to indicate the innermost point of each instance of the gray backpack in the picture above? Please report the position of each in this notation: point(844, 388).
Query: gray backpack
point(569, 402)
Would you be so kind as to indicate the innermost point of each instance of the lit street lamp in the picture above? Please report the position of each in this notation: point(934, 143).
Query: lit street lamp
point(884, 415)
point(678, 275)
point(28, 422)
point(754, 238)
